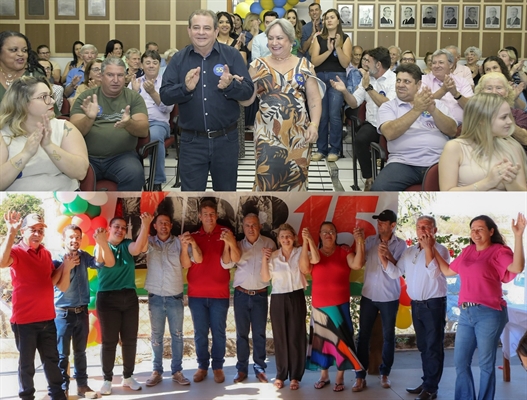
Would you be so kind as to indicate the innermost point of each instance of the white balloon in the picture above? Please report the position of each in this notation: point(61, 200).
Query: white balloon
point(99, 199)
point(87, 195)
point(66, 197)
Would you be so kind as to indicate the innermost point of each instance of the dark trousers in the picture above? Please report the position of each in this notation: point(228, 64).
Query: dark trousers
point(250, 313)
point(118, 312)
point(368, 314)
point(29, 338)
point(288, 319)
point(428, 317)
point(72, 328)
point(366, 134)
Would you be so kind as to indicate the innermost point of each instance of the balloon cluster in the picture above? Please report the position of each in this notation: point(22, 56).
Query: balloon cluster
point(84, 210)
point(404, 315)
point(260, 7)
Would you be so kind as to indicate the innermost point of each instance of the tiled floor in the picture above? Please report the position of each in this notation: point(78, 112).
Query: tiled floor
point(320, 173)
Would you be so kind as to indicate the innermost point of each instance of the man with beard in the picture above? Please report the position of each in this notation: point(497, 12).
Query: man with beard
point(72, 296)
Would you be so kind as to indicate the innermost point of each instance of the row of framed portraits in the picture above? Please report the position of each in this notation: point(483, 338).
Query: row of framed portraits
point(64, 9)
point(451, 16)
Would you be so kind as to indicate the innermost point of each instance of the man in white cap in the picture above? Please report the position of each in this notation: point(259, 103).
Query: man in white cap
point(33, 276)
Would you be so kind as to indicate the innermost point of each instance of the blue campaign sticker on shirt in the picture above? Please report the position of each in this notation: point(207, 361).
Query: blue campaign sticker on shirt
point(218, 69)
point(19, 175)
point(100, 111)
point(383, 93)
point(299, 78)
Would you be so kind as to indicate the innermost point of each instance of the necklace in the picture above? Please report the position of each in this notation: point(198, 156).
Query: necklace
point(328, 253)
point(417, 255)
point(9, 78)
point(281, 58)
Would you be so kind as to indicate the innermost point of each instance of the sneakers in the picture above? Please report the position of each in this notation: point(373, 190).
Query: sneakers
point(87, 392)
point(106, 388)
point(154, 379)
point(180, 378)
point(131, 383)
point(333, 157)
point(317, 156)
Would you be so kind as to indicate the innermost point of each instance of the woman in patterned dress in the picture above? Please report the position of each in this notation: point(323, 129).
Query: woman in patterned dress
point(283, 130)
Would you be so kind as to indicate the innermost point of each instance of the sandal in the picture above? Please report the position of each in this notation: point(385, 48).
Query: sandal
point(339, 387)
point(320, 383)
point(294, 385)
point(278, 384)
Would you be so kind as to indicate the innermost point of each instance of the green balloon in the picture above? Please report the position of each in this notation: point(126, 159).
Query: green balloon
point(78, 206)
point(64, 210)
point(93, 211)
point(91, 305)
point(94, 285)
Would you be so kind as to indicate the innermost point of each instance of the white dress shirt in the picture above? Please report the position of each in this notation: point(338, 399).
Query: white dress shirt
point(285, 275)
point(260, 48)
point(247, 274)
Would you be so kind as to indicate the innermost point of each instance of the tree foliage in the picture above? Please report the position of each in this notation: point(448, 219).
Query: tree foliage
point(23, 203)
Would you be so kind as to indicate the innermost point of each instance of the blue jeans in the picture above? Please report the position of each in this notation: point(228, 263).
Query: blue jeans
point(428, 317)
point(250, 312)
point(331, 118)
point(124, 169)
point(209, 314)
point(396, 177)
point(74, 328)
point(162, 308)
point(368, 314)
point(479, 327)
point(159, 131)
point(199, 155)
point(29, 338)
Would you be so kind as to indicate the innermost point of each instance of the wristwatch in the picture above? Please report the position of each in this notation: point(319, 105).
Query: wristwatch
point(370, 87)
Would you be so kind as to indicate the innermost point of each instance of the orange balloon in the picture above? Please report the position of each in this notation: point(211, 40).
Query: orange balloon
point(61, 222)
point(85, 241)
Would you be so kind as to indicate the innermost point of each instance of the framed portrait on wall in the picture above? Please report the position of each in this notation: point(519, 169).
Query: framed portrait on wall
point(408, 16)
point(36, 8)
point(450, 16)
point(96, 8)
point(471, 17)
point(366, 16)
point(492, 16)
point(8, 9)
point(514, 16)
point(387, 13)
point(429, 16)
point(66, 8)
point(346, 15)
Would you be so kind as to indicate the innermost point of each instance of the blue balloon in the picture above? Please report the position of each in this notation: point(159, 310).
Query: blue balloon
point(279, 3)
point(280, 11)
point(256, 8)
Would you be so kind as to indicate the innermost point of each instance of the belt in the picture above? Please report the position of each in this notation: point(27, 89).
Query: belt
point(468, 304)
point(76, 310)
point(250, 292)
point(213, 134)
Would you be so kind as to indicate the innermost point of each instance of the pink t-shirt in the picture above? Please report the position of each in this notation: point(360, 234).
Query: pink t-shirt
point(331, 285)
point(482, 273)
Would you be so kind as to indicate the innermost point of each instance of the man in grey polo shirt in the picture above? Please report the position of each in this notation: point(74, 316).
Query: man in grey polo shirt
point(164, 282)
point(250, 300)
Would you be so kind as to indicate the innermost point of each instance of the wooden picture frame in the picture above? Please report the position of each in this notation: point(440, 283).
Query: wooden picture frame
point(9, 9)
point(67, 9)
point(97, 9)
point(37, 9)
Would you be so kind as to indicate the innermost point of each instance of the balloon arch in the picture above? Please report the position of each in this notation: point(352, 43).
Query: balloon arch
point(262, 6)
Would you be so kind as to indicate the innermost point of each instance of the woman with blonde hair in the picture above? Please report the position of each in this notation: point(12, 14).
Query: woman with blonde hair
point(485, 156)
point(292, 17)
point(37, 151)
point(288, 304)
point(496, 82)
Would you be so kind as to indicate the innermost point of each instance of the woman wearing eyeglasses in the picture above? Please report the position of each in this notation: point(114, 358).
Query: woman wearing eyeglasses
point(37, 151)
point(331, 339)
point(92, 78)
point(482, 267)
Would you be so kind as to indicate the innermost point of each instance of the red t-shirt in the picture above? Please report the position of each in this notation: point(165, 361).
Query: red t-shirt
point(32, 286)
point(481, 274)
point(209, 278)
point(331, 285)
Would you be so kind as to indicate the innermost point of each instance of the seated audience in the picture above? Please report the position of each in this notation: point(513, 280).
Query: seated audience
point(158, 114)
point(43, 53)
point(111, 118)
point(428, 62)
point(92, 79)
point(452, 89)
point(133, 59)
point(153, 46)
point(408, 56)
point(484, 157)
point(395, 56)
point(75, 77)
point(416, 127)
point(495, 82)
point(496, 64)
point(472, 56)
point(75, 62)
point(114, 48)
point(58, 91)
point(37, 151)
point(458, 69)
